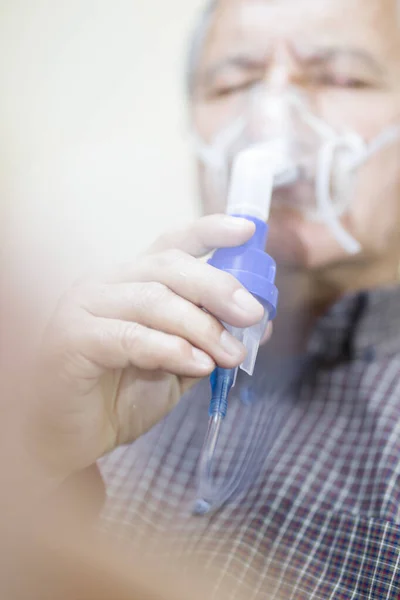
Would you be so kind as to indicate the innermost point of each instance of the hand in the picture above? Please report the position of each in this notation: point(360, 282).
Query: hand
point(121, 350)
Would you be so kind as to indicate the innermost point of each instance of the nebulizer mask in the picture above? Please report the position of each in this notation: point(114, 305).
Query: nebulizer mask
point(315, 164)
point(277, 150)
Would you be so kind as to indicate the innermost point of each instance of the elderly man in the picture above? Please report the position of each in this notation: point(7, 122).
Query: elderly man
point(318, 514)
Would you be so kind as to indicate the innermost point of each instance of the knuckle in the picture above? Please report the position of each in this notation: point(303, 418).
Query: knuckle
point(154, 293)
point(183, 312)
point(182, 348)
point(63, 338)
point(170, 258)
point(219, 286)
point(67, 320)
point(129, 335)
point(229, 283)
point(211, 330)
point(103, 336)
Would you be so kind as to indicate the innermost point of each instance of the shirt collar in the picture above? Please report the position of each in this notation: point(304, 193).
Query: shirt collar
point(363, 326)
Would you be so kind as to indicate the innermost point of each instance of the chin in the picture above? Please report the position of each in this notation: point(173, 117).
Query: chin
point(298, 243)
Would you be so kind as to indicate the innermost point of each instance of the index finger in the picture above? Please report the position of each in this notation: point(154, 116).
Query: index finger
point(205, 234)
point(197, 240)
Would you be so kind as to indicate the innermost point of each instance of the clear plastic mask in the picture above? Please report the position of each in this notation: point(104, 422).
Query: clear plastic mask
point(314, 165)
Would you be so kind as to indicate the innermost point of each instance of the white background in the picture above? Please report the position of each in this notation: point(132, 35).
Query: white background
point(95, 159)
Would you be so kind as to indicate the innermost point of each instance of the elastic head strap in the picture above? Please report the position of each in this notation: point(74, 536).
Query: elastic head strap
point(324, 198)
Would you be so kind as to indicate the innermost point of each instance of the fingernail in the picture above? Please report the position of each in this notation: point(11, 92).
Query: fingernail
point(246, 302)
point(202, 358)
point(237, 222)
point(231, 345)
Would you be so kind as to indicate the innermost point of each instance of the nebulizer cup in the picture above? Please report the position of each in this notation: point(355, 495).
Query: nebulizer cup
point(250, 198)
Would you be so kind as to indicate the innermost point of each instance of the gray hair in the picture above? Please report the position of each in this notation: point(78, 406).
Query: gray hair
point(196, 44)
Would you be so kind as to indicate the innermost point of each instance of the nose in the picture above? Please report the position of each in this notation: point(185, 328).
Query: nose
point(273, 109)
point(283, 70)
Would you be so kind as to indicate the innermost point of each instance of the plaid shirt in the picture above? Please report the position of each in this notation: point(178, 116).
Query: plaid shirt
point(320, 515)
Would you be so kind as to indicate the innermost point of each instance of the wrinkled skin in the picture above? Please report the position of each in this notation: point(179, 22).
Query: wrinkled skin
point(122, 348)
point(119, 351)
point(348, 69)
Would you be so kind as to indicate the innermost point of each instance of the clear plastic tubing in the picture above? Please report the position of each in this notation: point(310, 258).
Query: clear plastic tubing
point(250, 198)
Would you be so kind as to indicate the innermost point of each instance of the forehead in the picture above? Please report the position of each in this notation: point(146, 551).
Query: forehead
point(248, 24)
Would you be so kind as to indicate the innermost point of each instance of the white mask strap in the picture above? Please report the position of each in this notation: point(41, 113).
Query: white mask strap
point(389, 136)
point(214, 155)
point(324, 199)
point(207, 154)
point(316, 123)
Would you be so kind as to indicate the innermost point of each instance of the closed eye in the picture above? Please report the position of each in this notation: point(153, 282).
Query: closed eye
point(342, 81)
point(231, 89)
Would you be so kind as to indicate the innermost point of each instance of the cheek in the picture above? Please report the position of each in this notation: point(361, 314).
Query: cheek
point(373, 219)
point(297, 242)
point(375, 212)
point(368, 113)
point(213, 116)
point(210, 118)
point(205, 122)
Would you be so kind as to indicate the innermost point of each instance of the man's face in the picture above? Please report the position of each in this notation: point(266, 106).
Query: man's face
point(344, 56)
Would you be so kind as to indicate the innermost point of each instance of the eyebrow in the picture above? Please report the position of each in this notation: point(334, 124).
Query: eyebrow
point(237, 61)
point(326, 55)
point(315, 57)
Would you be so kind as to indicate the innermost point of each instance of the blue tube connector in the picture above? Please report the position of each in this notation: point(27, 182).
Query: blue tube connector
point(221, 383)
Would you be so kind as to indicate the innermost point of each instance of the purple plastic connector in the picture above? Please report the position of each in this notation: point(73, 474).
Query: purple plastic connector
point(252, 266)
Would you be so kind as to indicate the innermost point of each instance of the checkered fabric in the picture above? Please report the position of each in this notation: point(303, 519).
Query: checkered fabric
point(317, 515)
